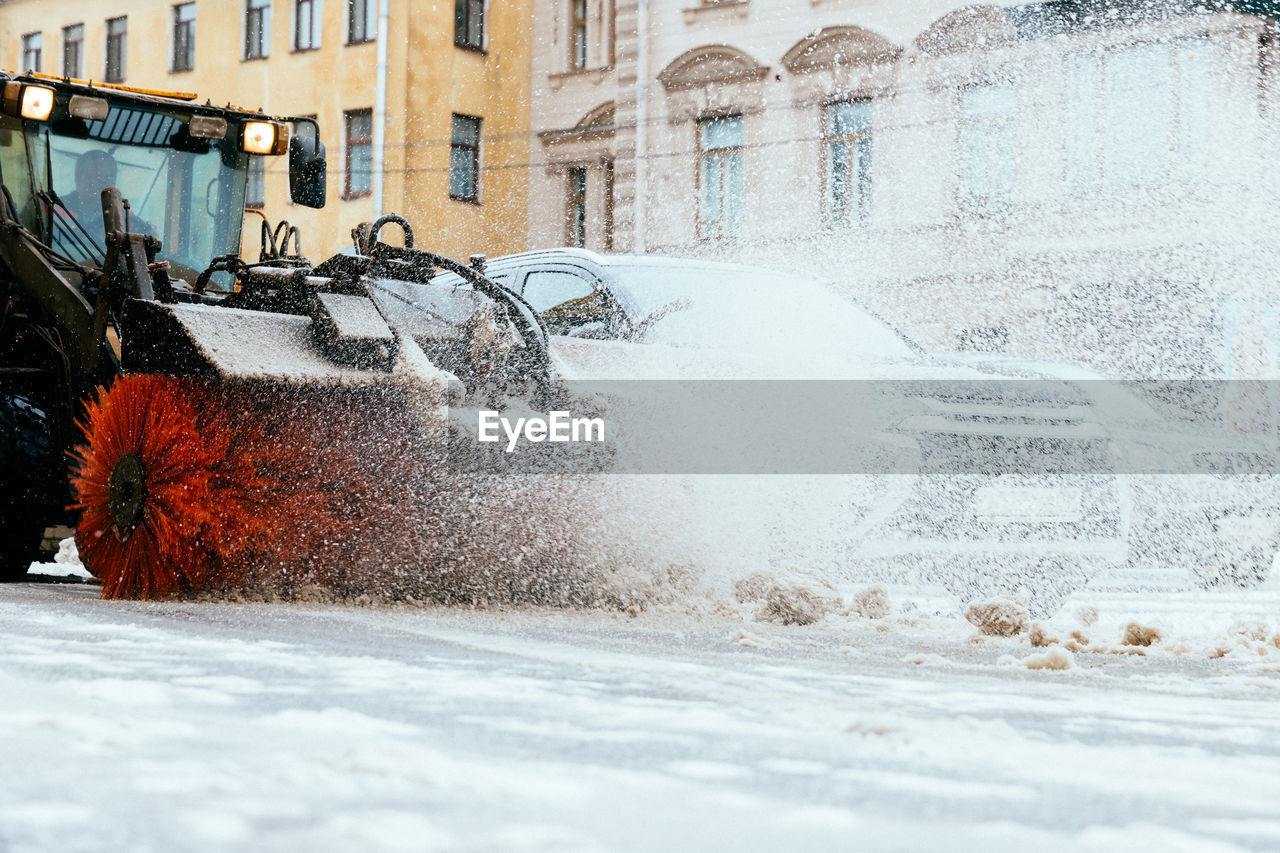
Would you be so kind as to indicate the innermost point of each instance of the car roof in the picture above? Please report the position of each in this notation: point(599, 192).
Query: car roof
point(604, 259)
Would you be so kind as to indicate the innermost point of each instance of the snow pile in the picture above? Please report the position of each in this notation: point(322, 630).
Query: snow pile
point(751, 588)
point(1055, 658)
point(1086, 615)
point(998, 617)
point(800, 599)
point(1040, 637)
point(931, 658)
point(871, 603)
point(1256, 630)
point(1140, 635)
point(66, 563)
point(1213, 626)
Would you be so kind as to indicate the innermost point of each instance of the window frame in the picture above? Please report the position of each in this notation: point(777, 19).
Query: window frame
point(1092, 163)
point(121, 41)
point(28, 50)
point(604, 310)
point(257, 169)
point(988, 126)
point(576, 208)
point(455, 145)
point(718, 229)
point(313, 33)
point(259, 10)
point(368, 22)
point(462, 17)
point(578, 31)
point(78, 44)
point(177, 35)
point(349, 141)
point(856, 213)
point(1125, 166)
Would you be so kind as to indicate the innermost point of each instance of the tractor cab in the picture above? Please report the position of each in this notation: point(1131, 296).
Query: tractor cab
point(180, 166)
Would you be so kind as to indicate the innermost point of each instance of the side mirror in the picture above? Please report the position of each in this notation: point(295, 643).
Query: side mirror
point(307, 167)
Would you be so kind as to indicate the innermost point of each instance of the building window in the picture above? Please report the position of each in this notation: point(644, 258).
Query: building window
point(464, 159)
point(362, 26)
point(1082, 80)
point(117, 49)
point(576, 215)
point(306, 24)
point(1162, 95)
point(1139, 94)
point(257, 29)
point(986, 146)
point(720, 177)
point(468, 23)
point(184, 37)
point(73, 50)
point(255, 194)
point(32, 51)
point(359, 177)
point(846, 132)
point(578, 38)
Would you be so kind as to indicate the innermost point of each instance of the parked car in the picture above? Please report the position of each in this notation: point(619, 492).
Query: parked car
point(1012, 482)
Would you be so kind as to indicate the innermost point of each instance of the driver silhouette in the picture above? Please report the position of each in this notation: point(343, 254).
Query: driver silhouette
point(95, 171)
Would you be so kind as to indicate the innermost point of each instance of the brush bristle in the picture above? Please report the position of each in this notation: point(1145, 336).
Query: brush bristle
point(242, 484)
point(152, 417)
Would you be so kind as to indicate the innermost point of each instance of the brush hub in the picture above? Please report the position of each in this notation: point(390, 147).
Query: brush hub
point(126, 492)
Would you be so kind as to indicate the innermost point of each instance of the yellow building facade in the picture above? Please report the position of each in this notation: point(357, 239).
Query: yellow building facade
point(454, 73)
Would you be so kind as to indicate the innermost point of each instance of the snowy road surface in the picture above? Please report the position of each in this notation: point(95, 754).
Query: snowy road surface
point(282, 727)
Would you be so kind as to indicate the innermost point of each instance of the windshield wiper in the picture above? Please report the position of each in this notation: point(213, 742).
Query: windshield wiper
point(83, 240)
point(639, 330)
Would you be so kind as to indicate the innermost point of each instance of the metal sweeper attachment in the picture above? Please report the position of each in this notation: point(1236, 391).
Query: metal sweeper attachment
point(218, 421)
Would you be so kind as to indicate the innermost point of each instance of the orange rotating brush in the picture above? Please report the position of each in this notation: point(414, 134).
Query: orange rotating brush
point(186, 484)
point(145, 487)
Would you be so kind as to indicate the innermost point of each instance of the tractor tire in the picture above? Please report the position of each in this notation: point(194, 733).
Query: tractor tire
point(27, 487)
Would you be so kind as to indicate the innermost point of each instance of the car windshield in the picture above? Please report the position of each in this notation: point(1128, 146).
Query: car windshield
point(187, 192)
point(726, 307)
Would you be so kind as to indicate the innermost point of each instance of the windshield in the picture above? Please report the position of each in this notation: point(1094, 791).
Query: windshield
point(727, 307)
point(187, 192)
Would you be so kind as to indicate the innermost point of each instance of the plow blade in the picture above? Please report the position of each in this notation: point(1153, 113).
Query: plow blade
point(344, 344)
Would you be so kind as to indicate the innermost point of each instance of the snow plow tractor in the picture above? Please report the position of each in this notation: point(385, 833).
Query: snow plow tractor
point(202, 419)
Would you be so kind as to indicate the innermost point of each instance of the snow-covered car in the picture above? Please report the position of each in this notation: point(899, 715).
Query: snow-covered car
point(1010, 483)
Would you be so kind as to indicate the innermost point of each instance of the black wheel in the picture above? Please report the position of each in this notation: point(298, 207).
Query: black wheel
point(27, 486)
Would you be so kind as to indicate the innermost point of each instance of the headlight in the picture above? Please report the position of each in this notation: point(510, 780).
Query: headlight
point(90, 109)
point(37, 102)
point(207, 127)
point(260, 137)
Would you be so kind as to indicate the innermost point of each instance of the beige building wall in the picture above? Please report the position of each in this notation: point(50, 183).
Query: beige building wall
point(428, 79)
point(1075, 261)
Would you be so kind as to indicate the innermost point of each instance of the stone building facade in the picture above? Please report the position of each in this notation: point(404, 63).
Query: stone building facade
point(455, 113)
point(1067, 179)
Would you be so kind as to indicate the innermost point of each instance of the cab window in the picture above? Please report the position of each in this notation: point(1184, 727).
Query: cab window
point(545, 289)
point(568, 303)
